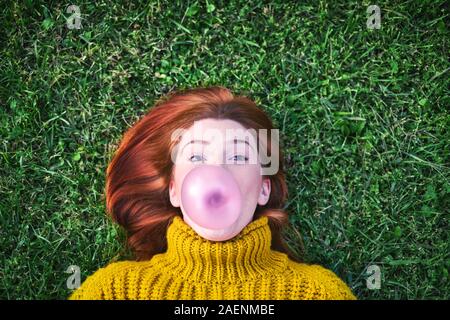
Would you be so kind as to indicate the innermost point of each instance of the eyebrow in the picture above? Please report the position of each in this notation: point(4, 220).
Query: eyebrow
point(235, 141)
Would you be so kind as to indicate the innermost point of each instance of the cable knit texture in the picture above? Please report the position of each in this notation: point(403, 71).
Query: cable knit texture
point(244, 267)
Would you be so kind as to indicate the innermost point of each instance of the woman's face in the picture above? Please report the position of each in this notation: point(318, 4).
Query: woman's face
point(214, 145)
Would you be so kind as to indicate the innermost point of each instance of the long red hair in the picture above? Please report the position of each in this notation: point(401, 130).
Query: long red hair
point(138, 176)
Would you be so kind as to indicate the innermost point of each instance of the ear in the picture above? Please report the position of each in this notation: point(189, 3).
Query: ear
point(172, 194)
point(264, 195)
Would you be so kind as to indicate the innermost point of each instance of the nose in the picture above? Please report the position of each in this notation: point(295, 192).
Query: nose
point(218, 159)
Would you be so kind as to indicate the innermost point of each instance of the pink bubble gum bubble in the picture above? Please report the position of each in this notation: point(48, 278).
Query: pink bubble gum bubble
point(211, 197)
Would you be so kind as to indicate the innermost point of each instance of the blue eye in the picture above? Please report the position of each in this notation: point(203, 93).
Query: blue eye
point(194, 155)
point(241, 158)
point(235, 158)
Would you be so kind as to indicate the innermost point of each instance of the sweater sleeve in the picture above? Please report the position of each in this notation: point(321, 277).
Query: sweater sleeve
point(107, 283)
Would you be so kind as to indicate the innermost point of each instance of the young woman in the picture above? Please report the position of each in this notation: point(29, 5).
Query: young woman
point(184, 247)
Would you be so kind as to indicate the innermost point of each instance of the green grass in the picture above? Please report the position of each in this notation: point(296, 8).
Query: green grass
point(363, 115)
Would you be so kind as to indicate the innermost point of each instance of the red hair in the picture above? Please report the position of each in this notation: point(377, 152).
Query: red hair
point(137, 178)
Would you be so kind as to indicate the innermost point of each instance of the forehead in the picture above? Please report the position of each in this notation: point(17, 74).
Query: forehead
point(214, 129)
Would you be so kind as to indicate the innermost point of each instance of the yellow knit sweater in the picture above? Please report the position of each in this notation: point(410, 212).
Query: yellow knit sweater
point(241, 268)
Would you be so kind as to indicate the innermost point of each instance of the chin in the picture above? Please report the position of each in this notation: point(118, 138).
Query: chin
point(217, 235)
point(218, 238)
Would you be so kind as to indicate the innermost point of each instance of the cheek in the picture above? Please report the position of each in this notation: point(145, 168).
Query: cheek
point(180, 171)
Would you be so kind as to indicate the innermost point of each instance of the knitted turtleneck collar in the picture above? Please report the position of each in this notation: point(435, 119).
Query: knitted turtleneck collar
point(247, 255)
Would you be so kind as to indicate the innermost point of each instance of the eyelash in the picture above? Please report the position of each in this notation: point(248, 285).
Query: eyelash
point(246, 158)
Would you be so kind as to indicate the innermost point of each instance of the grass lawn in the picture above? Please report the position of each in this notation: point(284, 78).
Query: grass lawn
point(363, 117)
